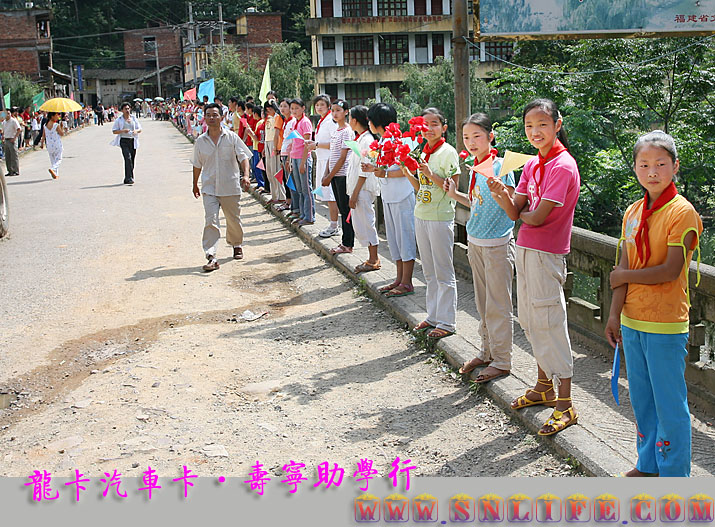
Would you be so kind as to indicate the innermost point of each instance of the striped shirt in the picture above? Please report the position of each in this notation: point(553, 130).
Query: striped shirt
point(337, 145)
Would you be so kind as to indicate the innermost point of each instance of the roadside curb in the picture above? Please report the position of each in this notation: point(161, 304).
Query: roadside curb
point(577, 444)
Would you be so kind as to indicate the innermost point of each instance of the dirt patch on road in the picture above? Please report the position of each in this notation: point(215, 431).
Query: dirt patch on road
point(325, 375)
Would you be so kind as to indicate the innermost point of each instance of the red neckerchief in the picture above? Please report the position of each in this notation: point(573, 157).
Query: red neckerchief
point(428, 150)
point(554, 152)
point(317, 128)
point(473, 176)
point(642, 235)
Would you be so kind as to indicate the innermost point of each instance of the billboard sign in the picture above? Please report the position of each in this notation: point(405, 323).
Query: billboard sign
point(584, 17)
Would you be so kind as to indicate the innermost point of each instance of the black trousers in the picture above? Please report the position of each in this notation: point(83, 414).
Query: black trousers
point(130, 154)
point(339, 186)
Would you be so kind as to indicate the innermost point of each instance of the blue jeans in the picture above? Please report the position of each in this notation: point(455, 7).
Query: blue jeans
point(257, 172)
point(306, 203)
point(656, 381)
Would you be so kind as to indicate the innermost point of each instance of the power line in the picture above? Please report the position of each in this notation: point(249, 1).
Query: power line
point(607, 70)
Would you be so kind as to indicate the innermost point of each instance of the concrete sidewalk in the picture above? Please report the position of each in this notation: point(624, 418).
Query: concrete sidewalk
point(603, 442)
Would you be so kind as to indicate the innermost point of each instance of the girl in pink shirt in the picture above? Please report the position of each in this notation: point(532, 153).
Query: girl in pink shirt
point(545, 200)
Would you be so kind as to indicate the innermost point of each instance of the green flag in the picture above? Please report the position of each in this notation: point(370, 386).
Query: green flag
point(37, 101)
point(7, 99)
point(181, 95)
point(266, 84)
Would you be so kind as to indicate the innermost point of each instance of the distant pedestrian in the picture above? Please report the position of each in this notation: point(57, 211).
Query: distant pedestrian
point(53, 132)
point(11, 131)
point(126, 130)
point(100, 114)
point(216, 159)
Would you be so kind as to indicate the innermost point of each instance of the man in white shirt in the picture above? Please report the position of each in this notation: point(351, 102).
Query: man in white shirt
point(126, 130)
point(11, 131)
point(216, 159)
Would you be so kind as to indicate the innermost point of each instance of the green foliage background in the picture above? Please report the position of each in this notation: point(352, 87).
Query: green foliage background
point(74, 19)
point(291, 73)
point(21, 89)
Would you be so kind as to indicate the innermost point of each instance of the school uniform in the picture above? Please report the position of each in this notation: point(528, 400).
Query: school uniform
point(654, 326)
point(434, 231)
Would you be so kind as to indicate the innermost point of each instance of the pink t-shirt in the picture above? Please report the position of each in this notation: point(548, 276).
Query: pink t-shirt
point(303, 127)
point(561, 184)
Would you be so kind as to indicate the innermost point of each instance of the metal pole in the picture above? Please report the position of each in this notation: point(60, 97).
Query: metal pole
point(220, 21)
point(2, 97)
point(192, 41)
point(158, 73)
point(460, 57)
point(71, 79)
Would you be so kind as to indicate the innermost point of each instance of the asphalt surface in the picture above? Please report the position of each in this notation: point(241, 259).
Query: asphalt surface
point(66, 234)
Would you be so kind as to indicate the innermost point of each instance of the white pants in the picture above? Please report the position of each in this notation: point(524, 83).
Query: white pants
point(435, 240)
point(540, 278)
point(232, 211)
point(400, 228)
point(492, 275)
point(326, 193)
point(362, 218)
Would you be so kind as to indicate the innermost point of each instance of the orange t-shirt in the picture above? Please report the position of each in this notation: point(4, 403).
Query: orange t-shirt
point(278, 125)
point(660, 308)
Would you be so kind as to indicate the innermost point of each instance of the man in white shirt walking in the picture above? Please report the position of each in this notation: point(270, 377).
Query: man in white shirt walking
point(216, 159)
point(126, 130)
point(11, 131)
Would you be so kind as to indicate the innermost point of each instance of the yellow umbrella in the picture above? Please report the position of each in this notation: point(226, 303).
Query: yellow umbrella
point(60, 104)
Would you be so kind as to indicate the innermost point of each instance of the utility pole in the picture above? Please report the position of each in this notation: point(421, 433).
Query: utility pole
point(192, 41)
point(158, 72)
point(71, 81)
point(460, 56)
point(220, 21)
point(2, 99)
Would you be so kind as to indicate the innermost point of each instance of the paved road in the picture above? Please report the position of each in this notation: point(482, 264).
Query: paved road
point(124, 353)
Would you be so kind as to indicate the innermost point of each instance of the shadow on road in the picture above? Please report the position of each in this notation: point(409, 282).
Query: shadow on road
point(9, 183)
point(162, 272)
point(103, 186)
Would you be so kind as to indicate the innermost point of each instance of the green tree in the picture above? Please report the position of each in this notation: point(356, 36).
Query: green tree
point(637, 85)
point(291, 73)
point(434, 86)
point(231, 76)
point(21, 89)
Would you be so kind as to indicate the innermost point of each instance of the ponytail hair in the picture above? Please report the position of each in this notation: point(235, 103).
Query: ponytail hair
point(359, 113)
point(549, 107)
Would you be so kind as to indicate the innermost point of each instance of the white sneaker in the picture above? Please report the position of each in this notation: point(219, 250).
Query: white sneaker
point(328, 232)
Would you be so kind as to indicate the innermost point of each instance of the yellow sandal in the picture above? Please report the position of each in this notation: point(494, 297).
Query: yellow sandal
point(523, 401)
point(556, 421)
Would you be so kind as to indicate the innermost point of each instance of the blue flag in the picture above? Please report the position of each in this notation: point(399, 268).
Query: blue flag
point(207, 88)
point(614, 374)
point(290, 183)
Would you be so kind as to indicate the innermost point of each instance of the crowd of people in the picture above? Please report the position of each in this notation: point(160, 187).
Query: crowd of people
point(298, 160)
point(345, 158)
point(23, 129)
